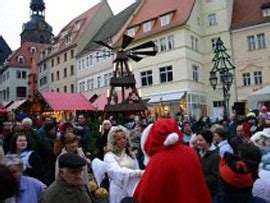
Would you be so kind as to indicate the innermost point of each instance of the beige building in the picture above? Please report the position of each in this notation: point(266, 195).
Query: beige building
point(95, 62)
point(251, 49)
point(185, 32)
point(57, 68)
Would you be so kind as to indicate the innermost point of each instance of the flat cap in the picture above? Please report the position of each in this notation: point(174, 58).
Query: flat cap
point(71, 160)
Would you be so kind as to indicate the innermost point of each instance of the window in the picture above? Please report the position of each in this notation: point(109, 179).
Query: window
point(18, 74)
point(43, 81)
point(195, 73)
point(7, 75)
point(97, 56)
point(79, 65)
point(166, 74)
point(163, 46)
point(157, 45)
point(7, 93)
point(164, 20)
point(45, 66)
point(147, 27)
point(92, 86)
point(91, 60)
point(33, 50)
point(87, 61)
point(170, 42)
point(194, 43)
point(68, 39)
point(65, 72)
point(23, 74)
point(71, 70)
point(20, 59)
point(146, 78)
point(266, 11)
point(218, 104)
point(212, 19)
point(246, 79)
point(251, 43)
point(131, 32)
point(71, 53)
point(77, 26)
point(214, 43)
point(258, 77)
point(21, 91)
point(104, 54)
point(82, 86)
point(57, 75)
point(65, 88)
point(58, 89)
point(58, 60)
point(261, 41)
point(83, 64)
point(52, 77)
point(106, 79)
point(52, 63)
point(72, 88)
point(65, 56)
point(98, 81)
point(88, 84)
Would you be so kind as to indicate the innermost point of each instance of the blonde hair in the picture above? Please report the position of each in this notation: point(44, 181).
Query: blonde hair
point(102, 129)
point(111, 144)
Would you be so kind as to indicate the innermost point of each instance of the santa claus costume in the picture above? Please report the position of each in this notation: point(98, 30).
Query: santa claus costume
point(173, 173)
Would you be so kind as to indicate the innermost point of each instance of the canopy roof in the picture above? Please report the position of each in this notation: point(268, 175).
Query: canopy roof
point(66, 101)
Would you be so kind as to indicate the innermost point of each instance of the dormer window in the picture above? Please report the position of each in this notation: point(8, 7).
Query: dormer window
point(266, 12)
point(77, 26)
point(164, 20)
point(147, 27)
point(33, 50)
point(68, 39)
point(131, 32)
point(20, 59)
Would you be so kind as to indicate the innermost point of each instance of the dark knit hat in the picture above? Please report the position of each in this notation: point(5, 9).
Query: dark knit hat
point(207, 135)
point(71, 160)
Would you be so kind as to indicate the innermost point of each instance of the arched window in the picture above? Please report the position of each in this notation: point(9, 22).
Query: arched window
point(33, 50)
point(20, 59)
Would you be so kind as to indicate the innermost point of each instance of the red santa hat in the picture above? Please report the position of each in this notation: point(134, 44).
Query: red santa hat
point(159, 136)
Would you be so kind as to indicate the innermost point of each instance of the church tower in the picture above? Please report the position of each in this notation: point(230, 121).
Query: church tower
point(37, 29)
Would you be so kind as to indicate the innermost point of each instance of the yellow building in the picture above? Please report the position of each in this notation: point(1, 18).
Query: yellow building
point(251, 52)
point(184, 32)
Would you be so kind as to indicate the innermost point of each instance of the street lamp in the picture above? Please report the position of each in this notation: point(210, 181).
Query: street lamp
point(222, 68)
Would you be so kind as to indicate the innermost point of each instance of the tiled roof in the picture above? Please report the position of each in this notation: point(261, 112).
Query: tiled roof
point(153, 9)
point(248, 12)
point(76, 27)
point(66, 101)
point(25, 52)
point(111, 27)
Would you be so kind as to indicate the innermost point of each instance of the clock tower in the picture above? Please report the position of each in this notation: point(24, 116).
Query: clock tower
point(37, 29)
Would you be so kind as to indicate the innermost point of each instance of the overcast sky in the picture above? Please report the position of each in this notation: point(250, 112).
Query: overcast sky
point(13, 13)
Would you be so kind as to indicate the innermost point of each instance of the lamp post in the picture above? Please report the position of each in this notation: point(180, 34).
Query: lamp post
point(222, 71)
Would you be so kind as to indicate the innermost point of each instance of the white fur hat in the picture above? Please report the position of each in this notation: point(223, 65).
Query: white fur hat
point(262, 139)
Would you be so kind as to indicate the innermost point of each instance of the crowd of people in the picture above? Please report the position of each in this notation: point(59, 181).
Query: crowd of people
point(169, 160)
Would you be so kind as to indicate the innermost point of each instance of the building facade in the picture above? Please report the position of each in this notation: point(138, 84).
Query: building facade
point(95, 62)
point(14, 83)
point(57, 68)
point(176, 80)
point(251, 47)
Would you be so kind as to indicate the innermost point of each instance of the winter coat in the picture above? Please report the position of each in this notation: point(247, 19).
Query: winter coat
point(60, 192)
point(210, 164)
